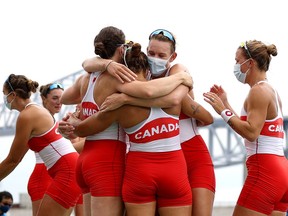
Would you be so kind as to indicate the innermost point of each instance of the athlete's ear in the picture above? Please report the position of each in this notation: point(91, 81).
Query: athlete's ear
point(173, 57)
point(121, 50)
point(252, 62)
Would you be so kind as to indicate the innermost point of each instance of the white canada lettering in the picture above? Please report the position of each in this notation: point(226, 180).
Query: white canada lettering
point(88, 111)
point(157, 130)
point(276, 128)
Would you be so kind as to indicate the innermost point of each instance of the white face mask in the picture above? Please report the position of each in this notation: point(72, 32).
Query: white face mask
point(241, 77)
point(8, 105)
point(157, 65)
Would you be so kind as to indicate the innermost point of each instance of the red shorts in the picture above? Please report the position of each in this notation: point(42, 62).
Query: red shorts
point(64, 188)
point(80, 200)
point(266, 185)
point(157, 176)
point(199, 163)
point(38, 182)
point(100, 167)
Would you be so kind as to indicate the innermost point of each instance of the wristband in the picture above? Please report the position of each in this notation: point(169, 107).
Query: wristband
point(226, 114)
point(108, 65)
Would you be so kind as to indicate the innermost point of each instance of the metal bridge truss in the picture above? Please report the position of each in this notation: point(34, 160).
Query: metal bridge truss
point(225, 146)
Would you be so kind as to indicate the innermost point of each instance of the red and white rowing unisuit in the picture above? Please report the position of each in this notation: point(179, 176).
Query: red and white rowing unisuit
point(158, 133)
point(188, 127)
point(51, 146)
point(271, 138)
point(90, 107)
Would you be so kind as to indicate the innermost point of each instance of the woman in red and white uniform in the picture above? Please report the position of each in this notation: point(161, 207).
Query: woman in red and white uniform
point(100, 166)
point(156, 172)
point(36, 129)
point(40, 179)
point(161, 53)
point(265, 191)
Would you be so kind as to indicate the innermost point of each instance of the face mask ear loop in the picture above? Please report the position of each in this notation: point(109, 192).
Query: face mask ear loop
point(125, 53)
point(244, 62)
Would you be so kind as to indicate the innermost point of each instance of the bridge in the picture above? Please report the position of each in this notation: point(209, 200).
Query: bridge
point(225, 146)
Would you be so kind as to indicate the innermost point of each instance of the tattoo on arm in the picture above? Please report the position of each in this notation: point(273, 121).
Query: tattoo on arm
point(195, 109)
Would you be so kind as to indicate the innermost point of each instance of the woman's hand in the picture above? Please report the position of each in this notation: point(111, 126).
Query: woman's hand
point(220, 92)
point(215, 101)
point(65, 128)
point(120, 72)
point(113, 102)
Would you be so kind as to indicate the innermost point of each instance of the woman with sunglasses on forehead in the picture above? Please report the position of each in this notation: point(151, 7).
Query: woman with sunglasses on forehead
point(161, 53)
point(265, 191)
point(36, 129)
point(200, 167)
point(148, 183)
point(50, 95)
point(40, 179)
point(101, 164)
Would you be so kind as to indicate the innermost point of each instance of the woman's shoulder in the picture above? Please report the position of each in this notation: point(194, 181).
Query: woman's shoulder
point(33, 110)
point(176, 68)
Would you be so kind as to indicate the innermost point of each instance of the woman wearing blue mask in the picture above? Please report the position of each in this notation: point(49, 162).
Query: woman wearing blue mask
point(161, 52)
point(6, 201)
point(265, 191)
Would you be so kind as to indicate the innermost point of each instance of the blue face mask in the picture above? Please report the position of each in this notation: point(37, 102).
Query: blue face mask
point(4, 208)
point(8, 105)
point(157, 65)
point(241, 77)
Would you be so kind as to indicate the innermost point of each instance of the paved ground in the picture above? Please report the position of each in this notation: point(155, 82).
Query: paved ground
point(218, 211)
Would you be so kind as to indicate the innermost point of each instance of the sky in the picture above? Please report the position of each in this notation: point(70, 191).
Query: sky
point(47, 40)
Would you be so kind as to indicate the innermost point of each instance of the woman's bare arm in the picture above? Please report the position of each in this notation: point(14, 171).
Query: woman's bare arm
point(119, 71)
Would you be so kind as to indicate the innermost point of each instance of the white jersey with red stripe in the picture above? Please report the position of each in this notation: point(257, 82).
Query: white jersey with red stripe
point(38, 158)
point(90, 107)
point(188, 127)
point(271, 138)
point(51, 146)
point(158, 133)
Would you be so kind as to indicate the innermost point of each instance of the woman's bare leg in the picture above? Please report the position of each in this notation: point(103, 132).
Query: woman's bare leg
point(50, 207)
point(147, 209)
point(107, 206)
point(35, 206)
point(175, 211)
point(203, 200)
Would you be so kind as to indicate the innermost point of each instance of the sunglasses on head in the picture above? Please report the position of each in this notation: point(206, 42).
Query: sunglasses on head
point(164, 33)
point(55, 86)
point(244, 45)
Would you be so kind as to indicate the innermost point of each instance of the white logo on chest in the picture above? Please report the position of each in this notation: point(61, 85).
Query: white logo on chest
point(159, 129)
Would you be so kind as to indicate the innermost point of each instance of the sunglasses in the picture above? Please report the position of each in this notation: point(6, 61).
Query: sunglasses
point(244, 45)
point(55, 86)
point(164, 33)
